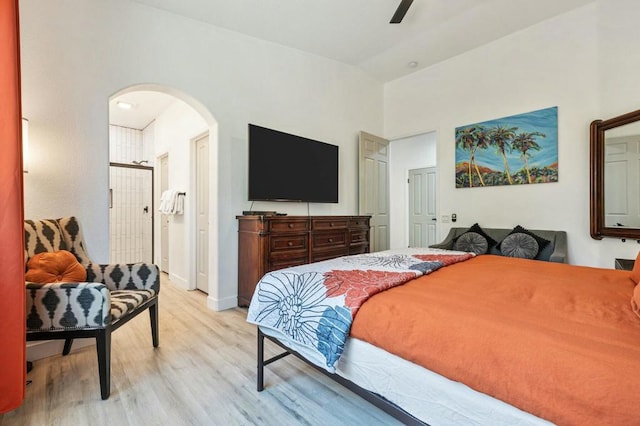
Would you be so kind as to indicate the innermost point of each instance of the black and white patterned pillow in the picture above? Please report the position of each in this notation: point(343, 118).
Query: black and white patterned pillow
point(519, 245)
point(471, 242)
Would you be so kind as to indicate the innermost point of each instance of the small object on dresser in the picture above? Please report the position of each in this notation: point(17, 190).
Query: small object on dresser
point(624, 264)
point(259, 213)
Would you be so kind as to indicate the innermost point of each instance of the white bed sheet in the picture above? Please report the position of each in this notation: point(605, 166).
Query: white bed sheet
point(426, 395)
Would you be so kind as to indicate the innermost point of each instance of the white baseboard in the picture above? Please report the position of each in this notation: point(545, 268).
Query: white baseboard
point(179, 281)
point(47, 348)
point(222, 304)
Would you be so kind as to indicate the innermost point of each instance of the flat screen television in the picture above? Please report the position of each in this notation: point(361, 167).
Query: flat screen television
point(285, 167)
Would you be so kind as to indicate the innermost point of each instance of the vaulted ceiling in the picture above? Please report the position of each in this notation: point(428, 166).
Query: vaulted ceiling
point(358, 32)
point(355, 32)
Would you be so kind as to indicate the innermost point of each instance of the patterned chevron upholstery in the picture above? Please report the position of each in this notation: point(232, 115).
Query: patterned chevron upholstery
point(111, 295)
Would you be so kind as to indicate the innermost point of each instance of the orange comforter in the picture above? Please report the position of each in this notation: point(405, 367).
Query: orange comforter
point(556, 340)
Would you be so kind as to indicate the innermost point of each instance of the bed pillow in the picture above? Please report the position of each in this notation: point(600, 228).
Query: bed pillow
point(478, 230)
point(55, 267)
point(542, 242)
point(471, 242)
point(635, 272)
point(519, 245)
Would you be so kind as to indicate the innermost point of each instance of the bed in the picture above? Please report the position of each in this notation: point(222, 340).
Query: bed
point(467, 339)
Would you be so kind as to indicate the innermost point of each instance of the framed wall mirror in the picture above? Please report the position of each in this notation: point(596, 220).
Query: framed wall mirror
point(615, 177)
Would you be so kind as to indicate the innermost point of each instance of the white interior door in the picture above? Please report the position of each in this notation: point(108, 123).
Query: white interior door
point(374, 187)
point(202, 212)
point(164, 218)
point(422, 207)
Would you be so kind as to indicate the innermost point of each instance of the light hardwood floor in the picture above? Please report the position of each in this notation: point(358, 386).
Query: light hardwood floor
point(203, 373)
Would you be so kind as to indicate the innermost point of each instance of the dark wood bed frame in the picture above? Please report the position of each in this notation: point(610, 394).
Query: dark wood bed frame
point(375, 399)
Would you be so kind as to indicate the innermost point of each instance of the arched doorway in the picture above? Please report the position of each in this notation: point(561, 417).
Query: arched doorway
point(156, 135)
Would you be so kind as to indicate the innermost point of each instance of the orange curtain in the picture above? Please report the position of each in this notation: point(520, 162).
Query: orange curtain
point(12, 292)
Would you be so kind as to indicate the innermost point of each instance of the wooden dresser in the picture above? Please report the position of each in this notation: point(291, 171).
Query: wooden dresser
point(267, 243)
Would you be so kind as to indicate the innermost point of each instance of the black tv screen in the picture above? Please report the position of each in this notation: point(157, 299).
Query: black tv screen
point(285, 167)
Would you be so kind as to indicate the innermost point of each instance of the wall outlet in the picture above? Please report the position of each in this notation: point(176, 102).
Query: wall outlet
point(445, 218)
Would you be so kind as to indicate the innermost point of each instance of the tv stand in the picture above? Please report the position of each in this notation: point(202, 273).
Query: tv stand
point(267, 243)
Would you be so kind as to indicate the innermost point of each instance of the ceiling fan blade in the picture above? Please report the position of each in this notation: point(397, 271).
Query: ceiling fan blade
point(401, 11)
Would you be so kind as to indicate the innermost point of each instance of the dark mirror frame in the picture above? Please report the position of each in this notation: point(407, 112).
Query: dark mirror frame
point(598, 127)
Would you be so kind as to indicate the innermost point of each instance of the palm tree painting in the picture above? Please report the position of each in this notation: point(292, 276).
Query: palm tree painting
point(516, 150)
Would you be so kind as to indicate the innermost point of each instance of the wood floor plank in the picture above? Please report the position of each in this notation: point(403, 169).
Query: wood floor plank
point(203, 373)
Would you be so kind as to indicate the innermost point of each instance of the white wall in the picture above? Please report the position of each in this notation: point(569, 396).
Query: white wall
point(413, 152)
point(77, 53)
point(175, 129)
point(566, 61)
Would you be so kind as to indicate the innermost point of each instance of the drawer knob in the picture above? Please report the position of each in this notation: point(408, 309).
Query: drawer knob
point(331, 224)
point(289, 243)
point(330, 240)
point(291, 225)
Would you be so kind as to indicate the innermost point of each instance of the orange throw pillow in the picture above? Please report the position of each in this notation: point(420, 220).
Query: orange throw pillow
point(55, 267)
point(635, 273)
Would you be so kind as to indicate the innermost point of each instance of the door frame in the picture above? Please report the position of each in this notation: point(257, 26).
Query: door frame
point(139, 167)
point(159, 159)
point(412, 151)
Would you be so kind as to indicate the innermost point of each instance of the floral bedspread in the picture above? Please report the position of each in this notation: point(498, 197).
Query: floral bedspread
point(310, 307)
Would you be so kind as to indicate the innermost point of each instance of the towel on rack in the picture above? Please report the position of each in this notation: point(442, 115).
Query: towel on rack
point(167, 201)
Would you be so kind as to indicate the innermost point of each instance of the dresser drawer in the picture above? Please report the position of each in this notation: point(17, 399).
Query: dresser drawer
point(321, 255)
point(328, 224)
point(276, 263)
point(329, 239)
point(289, 242)
point(359, 248)
point(288, 225)
point(359, 223)
point(359, 237)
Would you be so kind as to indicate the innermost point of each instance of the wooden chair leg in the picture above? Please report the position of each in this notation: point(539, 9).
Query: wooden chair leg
point(67, 346)
point(103, 346)
point(153, 315)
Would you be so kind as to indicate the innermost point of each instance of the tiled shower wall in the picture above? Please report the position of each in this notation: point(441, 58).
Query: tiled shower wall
point(127, 145)
point(131, 212)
